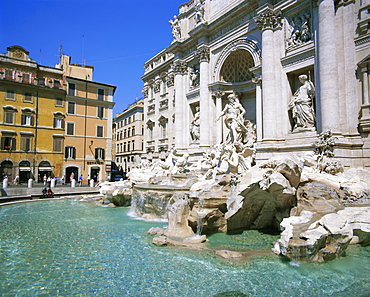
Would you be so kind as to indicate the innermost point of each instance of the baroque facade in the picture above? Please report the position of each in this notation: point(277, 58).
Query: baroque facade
point(128, 136)
point(297, 68)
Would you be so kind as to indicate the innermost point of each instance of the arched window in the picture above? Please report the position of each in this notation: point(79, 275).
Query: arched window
point(24, 164)
point(236, 67)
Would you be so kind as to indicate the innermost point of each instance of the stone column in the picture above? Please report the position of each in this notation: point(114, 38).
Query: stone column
point(259, 112)
point(181, 132)
point(327, 60)
point(218, 124)
point(269, 21)
point(170, 83)
point(349, 54)
point(205, 100)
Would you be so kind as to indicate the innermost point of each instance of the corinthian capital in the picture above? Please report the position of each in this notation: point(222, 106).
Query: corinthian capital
point(203, 53)
point(179, 67)
point(343, 2)
point(270, 19)
point(145, 91)
point(218, 94)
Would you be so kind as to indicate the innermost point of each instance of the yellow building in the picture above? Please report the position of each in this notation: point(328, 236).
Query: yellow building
point(32, 117)
point(88, 129)
point(128, 131)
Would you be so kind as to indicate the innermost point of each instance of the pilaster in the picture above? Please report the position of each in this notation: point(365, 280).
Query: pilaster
point(327, 66)
point(180, 69)
point(269, 21)
point(205, 102)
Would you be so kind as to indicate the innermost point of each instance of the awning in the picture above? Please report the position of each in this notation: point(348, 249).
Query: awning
point(45, 169)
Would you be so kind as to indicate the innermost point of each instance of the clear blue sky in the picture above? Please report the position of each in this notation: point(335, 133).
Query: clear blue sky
point(115, 36)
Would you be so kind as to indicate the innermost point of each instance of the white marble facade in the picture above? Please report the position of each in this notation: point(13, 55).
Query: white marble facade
point(260, 50)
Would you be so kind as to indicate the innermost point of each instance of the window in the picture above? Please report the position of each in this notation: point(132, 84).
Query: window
point(41, 81)
point(236, 67)
point(124, 134)
point(163, 126)
point(133, 131)
point(128, 132)
point(59, 101)
point(99, 153)
point(58, 123)
point(100, 112)
point(101, 94)
point(70, 128)
point(10, 95)
point(133, 144)
point(71, 107)
point(118, 148)
point(164, 88)
point(99, 131)
point(27, 120)
point(124, 147)
point(71, 89)
point(8, 143)
point(56, 84)
point(70, 152)
point(25, 143)
point(57, 144)
point(27, 97)
point(150, 128)
point(9, 116)
point(8, 74)
point(128, 146)
point(26, 78)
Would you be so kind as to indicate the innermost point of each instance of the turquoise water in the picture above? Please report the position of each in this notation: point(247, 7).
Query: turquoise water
point(67, 248)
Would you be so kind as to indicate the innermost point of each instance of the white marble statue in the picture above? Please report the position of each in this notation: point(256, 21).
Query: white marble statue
point(199, 12)
point(195, 126)
point(301, 105)
point(176, 29)
point(234, 120)
point(181, 164)
point(194, 77)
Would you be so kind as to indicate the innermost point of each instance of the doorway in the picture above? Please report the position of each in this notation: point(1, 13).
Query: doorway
point(94, 174)
point(71, 172)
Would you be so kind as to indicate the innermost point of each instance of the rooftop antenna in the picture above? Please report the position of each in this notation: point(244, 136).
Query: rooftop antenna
point(61, 50)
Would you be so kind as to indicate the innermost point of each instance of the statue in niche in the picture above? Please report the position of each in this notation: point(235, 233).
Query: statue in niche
point(199, 12)
point(194, 77)
point(195, 126)
point(234, 120)
point(301, 105)
point(301, 31)
point(176, 30)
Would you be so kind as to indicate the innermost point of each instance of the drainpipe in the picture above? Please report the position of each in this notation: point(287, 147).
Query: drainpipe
point(35, 138)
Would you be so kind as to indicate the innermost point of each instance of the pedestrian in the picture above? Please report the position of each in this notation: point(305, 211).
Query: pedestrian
point(44, 179)
point(62, 180)
point(49, 193)
point(48, 182)
point(44, 191)
point(80, 181)
point(16, 180)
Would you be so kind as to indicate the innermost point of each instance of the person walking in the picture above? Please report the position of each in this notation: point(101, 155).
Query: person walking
point(80, 181)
